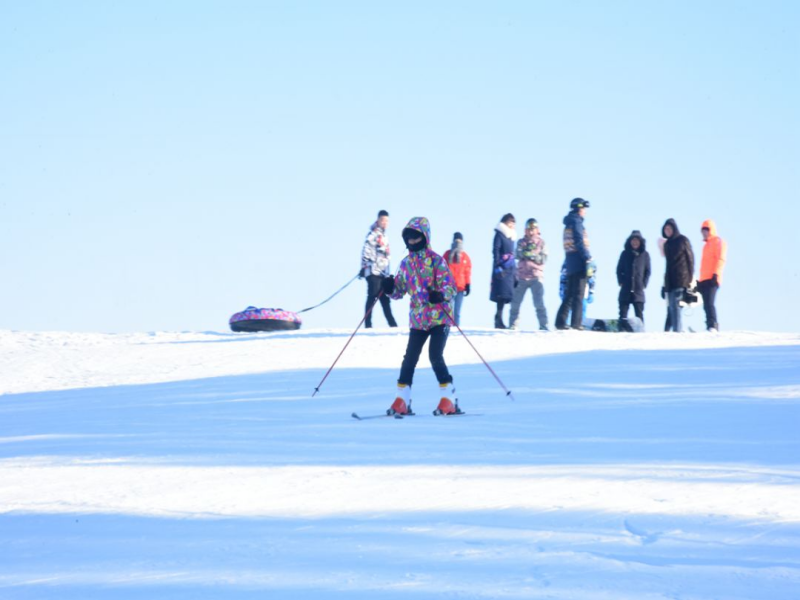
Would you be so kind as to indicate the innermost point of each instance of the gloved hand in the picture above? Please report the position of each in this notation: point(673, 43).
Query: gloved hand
point(387, 285)
point(589, 270)
point(467, 290)
point(435, 296)
point(590, 299)
point(516, 283)
point(498, 270)
point(663, 293)
point(361, 273)
point(715, 279)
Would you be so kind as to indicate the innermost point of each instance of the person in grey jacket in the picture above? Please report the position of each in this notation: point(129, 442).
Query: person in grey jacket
point(531, 255)
point(375, 268)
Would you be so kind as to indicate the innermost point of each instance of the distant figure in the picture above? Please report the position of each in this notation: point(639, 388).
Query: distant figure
point(503, 266)
point(424, 276)
point(633, 275)
point(531, 256)
point(715, 251)
point(679, 272)
point(375, 267)
point(577, 259)
point(461, 268)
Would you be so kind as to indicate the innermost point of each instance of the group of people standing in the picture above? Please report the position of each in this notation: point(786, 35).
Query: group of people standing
point(438, 284)
point(518, 267)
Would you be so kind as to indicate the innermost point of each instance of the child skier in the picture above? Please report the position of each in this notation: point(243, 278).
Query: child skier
point(425, 276)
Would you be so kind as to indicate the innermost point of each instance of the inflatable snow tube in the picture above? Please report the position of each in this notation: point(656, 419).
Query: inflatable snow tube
point(264, 319)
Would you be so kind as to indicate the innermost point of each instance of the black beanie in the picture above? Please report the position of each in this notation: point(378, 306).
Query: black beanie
point(457, 236)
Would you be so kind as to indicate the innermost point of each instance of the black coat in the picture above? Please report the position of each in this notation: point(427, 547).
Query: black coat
point(633, 272)
point(504, 272)
point(680, 259)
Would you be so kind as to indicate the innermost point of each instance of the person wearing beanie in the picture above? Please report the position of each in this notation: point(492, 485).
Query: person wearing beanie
point(679, 271)
point(424, 276)
point(375, 268)
point(461, 267)
point(504, 269)
point(633, 274)
point(531, 255)
point(715, 252)
point(576, 263)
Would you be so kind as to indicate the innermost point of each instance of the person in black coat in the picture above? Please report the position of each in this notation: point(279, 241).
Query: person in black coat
point(576, 261)
point(504, 267)
point(680, 270)
point(633, 274)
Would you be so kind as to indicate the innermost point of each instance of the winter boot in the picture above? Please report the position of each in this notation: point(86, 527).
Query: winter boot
point(446, 406)
point(402, 403)
point(498, 322)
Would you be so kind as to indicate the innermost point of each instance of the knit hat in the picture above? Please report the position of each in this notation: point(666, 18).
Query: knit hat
point(457, 236)
point(383, 213)
point(531, 223)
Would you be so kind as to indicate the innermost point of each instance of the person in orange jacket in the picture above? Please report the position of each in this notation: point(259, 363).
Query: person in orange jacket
point(461, 268)
point(714, 253)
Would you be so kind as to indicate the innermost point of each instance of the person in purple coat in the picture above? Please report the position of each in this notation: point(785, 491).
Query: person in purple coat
point(426, 278)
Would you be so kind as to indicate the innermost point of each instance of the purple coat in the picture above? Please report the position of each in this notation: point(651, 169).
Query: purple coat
point(419, 271)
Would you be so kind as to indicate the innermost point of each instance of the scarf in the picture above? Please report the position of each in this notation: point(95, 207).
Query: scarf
point(455, 251)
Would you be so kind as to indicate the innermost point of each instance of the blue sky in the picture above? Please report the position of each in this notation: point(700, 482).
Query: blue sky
point(164, 165)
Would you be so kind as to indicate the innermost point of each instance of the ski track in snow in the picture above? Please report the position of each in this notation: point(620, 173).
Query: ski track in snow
point(196, 465)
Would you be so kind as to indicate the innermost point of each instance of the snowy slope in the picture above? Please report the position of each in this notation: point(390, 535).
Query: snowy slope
point(197, 465)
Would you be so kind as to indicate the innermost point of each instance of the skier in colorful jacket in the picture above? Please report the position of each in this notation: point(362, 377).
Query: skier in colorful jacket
point(426, 278)
point(461, 267)
point(375, 268)
point(715, 252)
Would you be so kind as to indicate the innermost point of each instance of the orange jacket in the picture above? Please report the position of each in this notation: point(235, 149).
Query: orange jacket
point(714, 253)
point(462, 271)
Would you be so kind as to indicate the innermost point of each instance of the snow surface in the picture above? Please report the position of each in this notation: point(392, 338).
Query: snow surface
point(197, 465)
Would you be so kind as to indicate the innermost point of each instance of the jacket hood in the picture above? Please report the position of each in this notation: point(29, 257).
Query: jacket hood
point(675, 231)
point(712, 227)
point(636, 234)
point(423, 226)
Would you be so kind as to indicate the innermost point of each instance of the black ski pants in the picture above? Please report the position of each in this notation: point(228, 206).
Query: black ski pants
point(416, 340)
point(373, 289)
point(708, 290)
point(638, 309)
point(573, 300)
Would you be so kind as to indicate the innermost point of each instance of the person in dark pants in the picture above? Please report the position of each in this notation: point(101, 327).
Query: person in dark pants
point(679, 271)
point(633, 274)
point(715, 252)
point(576, 248)
point(426, 278)
point(504, 267)
point(375, 268)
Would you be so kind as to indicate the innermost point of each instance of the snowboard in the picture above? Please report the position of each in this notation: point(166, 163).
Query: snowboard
point(630, 325)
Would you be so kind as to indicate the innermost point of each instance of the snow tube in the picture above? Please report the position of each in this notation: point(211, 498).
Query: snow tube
point(264, 319)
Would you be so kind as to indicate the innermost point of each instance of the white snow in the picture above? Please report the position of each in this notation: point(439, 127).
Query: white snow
point(197, 465)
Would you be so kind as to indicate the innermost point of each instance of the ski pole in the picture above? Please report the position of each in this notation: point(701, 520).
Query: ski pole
point(364, 318)
point(452, 320)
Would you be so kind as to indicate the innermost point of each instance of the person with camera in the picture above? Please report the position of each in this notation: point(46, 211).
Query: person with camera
point(679, 271)
point(714, 253)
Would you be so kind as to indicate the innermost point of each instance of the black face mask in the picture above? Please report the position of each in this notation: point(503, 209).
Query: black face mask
point(411, 233)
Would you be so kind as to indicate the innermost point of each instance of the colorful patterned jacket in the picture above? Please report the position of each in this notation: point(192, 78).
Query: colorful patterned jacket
point(375, 254)
point(531, 256)
point(576, 244)
point(422, 270)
